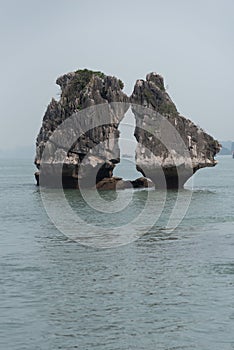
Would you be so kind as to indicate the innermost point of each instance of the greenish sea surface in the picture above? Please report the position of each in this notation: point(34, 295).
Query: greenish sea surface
point(166, 290)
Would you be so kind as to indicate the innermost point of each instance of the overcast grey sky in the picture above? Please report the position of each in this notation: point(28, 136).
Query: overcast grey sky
point(189, 42)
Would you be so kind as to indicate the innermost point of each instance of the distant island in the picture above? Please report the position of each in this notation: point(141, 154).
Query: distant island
point(126, 155)
point(227, 148)
point(170, 148)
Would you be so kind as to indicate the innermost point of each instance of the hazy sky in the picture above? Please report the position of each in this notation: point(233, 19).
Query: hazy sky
point(191, 43)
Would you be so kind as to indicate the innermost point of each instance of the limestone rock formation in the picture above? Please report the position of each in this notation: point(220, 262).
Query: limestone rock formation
point(78, 140)
point(90, 138)
point(117, 183)
point(170, 147)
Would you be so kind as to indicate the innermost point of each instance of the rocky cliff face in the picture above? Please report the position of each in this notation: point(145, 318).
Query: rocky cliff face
point(79, 140)
point(93, 135)
point(170, 148)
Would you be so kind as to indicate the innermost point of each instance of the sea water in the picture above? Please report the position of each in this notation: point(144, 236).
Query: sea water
point(168, 289)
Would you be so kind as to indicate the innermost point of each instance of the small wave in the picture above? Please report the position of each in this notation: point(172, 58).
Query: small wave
point(224, 269)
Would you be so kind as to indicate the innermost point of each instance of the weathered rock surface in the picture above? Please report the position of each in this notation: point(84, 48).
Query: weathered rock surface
point(95, 142)
point(117, 183)
point(170, 148)
point(80, 142)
